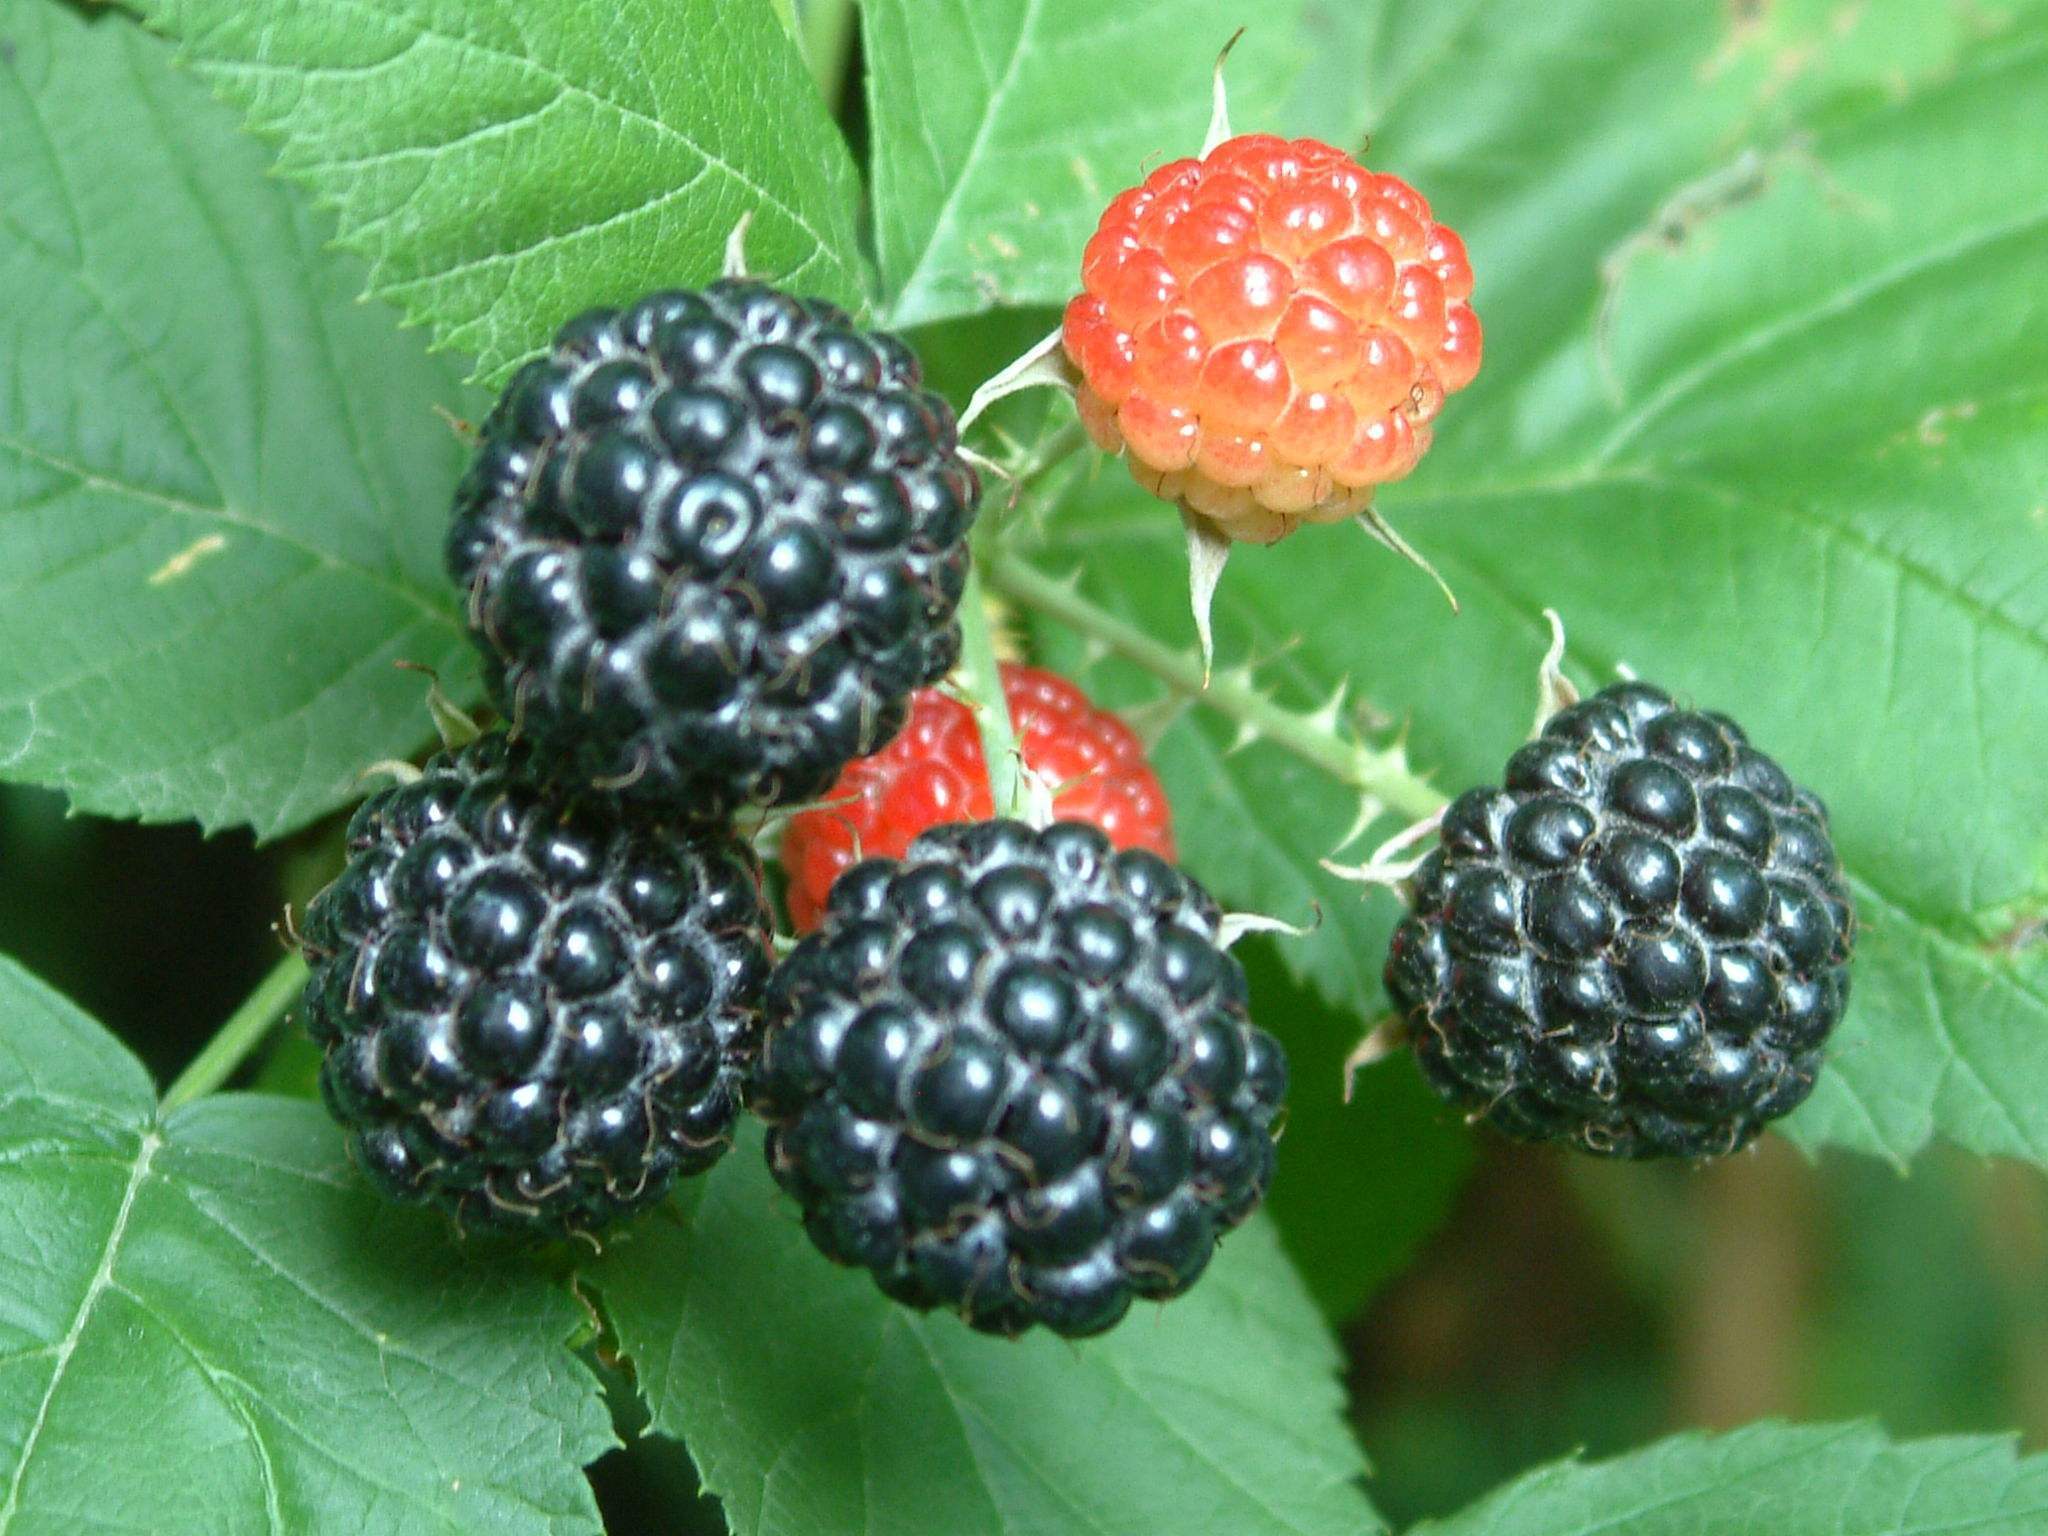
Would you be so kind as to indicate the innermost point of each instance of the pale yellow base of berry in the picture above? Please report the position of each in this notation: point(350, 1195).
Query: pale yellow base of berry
point(1245, 514)
point(1237, 511)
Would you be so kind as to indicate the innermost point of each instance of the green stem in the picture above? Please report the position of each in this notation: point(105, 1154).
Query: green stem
point(1047, 457)
point(980, 678)
point(1385, 775)
point(243, 1032)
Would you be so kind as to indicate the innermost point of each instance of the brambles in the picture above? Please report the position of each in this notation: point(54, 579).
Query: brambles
point(1269, 331)
point(531, 1004)
point(1639, 946)
point(934, 772)
point(710, 543)
point(1012, 1074)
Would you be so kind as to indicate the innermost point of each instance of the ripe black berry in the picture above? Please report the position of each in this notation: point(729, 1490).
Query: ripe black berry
point(1639, 945)
point(711, 543)
point(1012, 1074)
point(532, 1006)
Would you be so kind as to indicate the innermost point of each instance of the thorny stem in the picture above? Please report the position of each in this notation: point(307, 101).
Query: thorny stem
point(241, 1034)
point(1384, 775)
point(1048, 456)
point(981, 680)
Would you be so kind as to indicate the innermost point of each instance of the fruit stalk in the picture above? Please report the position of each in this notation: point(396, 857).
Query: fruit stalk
point(1385, 775)
point(980, 680)
point(245, 1029)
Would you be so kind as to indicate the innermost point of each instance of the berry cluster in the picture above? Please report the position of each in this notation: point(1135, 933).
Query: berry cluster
point(934, 772)
point(531, 1002)
point(1638, 946)
point(1012, 1074)
point(711, 543)
point(1269, 331)
point(712, 546)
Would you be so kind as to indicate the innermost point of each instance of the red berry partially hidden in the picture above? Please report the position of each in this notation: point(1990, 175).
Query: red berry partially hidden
point(934, 772)
point(1269, 331)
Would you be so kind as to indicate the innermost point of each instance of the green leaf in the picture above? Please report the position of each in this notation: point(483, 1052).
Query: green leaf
point(812, 1402)
point(1362, 1180)
point(1001, 127)
point(208, 1324)
point(1805, 487)
point(503, 167)
point(1775, 1480)
point(221, 478)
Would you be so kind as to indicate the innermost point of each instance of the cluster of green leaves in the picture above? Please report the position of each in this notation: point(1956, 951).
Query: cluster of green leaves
point(1756, 416)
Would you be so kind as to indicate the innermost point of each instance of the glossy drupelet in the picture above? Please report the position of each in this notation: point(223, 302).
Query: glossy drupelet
point(531, 1007)
point(1639, 946)
point(934, 772)
point(1269, 332)
point(710, 545)
point(1013, 1076)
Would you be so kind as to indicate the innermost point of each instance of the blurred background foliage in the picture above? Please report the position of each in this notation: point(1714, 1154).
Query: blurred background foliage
point(1548, 1303)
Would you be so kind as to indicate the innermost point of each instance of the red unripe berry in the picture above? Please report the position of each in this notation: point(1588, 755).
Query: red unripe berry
point(934, 772)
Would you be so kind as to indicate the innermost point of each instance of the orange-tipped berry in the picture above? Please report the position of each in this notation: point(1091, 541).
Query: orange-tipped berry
point(1269, 331)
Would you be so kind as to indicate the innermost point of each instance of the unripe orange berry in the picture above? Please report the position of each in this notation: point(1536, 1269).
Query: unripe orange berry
point(1269, 331)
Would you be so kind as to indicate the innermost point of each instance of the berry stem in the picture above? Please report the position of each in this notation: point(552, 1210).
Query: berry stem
point(1383, 774)
point(242, 1033)
point(1048, 456)
point(980, 681)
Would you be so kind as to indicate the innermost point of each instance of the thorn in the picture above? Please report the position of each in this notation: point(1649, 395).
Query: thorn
point(1153, 720)
point(1327, 718)
point(736, 247)
point(1219, 97)
point(1370, 809)
point(1045, 362)
point(1242, 677)
point(1208, 550)
point(1382, 532)
point(1384, 1039)
point(1247, 733)
point(1554, 691)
